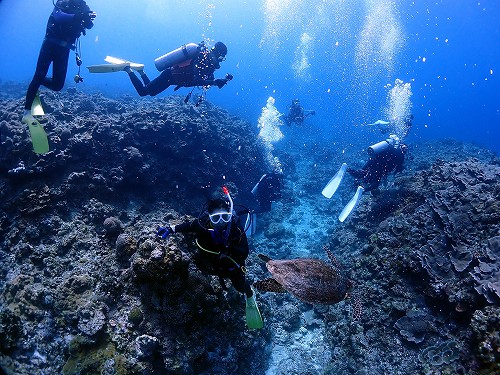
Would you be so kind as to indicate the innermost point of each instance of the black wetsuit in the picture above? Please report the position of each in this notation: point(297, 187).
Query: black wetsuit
point(378, 167)
point(67, 22)
point(297, 114)
point(268, 191)
point(220, 256)
point(198, 71)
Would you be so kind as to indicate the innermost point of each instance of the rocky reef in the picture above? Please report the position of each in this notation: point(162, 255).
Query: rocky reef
point(426, 250)
point(87, 288)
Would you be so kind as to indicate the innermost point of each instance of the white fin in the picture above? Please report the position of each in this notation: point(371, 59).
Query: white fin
point(117, 60)
point(334, 183)
point(107, 68)
point(352, 204)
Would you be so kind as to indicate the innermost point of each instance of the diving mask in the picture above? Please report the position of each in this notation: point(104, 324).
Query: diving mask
point(217, 217)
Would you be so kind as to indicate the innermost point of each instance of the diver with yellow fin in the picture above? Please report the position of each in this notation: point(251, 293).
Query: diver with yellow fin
point(68, 20)
point(39, 138)
point(222, 249)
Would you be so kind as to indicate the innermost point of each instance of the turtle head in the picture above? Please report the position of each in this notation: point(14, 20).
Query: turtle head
point(349, 289)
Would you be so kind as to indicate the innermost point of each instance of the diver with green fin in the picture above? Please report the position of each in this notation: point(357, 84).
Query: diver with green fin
point(68, 20)
point(222, 248)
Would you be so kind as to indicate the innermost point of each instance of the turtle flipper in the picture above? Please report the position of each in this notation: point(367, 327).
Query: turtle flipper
point(263, 257)
point(269, 285)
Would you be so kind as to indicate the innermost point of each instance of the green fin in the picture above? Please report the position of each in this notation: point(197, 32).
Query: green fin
point(38, 135)
point(36, 107)
point(254, 319)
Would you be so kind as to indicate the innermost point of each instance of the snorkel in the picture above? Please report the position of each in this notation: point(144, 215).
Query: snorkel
point(225, 190)
point(221, 234)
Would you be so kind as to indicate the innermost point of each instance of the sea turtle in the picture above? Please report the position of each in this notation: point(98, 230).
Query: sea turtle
point(310, 280)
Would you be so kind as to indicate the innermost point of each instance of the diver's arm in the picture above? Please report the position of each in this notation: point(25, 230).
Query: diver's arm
point(62, 17)
point(189, 227)
point(240, 250)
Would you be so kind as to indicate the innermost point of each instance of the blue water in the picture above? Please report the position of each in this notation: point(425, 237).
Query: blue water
point(349, 49)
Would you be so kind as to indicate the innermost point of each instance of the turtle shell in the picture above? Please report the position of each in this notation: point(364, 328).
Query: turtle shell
point(310, 280)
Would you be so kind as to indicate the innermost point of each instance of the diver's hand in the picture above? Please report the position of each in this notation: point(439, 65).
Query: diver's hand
point(220, 82)
point(87, 20)
point(164, 232)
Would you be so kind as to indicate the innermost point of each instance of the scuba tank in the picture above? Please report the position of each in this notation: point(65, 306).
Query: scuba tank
point(377, 148)
point(177, 56)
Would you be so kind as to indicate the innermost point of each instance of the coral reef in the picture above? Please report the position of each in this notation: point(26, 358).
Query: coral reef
point(87, 288)
point(426, 250)
point(85, 285)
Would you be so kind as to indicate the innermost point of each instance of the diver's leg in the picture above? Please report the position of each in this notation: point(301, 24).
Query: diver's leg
point(152, 88)
point(144, 78)
point(139, 87)
point(42, 67)
point(360, 173)
point(160, 83)
point(60, 56)
point(240, 283)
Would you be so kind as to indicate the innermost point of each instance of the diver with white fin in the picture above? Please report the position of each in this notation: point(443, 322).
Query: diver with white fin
point(386, 157)
point(191, 65)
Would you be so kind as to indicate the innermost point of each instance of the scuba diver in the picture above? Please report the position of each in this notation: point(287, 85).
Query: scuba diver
point(68, 20)
point(222, 248)
point(268, 190)
point(297, 114)
point(386, 157)
point(188, 66)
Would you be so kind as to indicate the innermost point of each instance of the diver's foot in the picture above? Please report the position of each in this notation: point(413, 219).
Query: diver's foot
point(27, 117)
point(42, 119)
point(128, 69)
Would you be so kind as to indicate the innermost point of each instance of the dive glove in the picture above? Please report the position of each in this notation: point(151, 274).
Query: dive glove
point(164, 232)
point(220, 82)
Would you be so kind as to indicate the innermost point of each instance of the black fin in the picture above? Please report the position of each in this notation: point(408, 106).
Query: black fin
point(269, 285)
point(263, 257)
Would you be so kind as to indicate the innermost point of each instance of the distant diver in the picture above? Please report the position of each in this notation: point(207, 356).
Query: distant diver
point(385, 157)
point(223, 248)
point(190, 65)
point(296, 114)
point(268, 190)
point(68, 20)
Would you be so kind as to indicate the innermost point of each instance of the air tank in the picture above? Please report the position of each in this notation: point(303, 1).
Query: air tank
point(177, 56)
point(377, 148)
